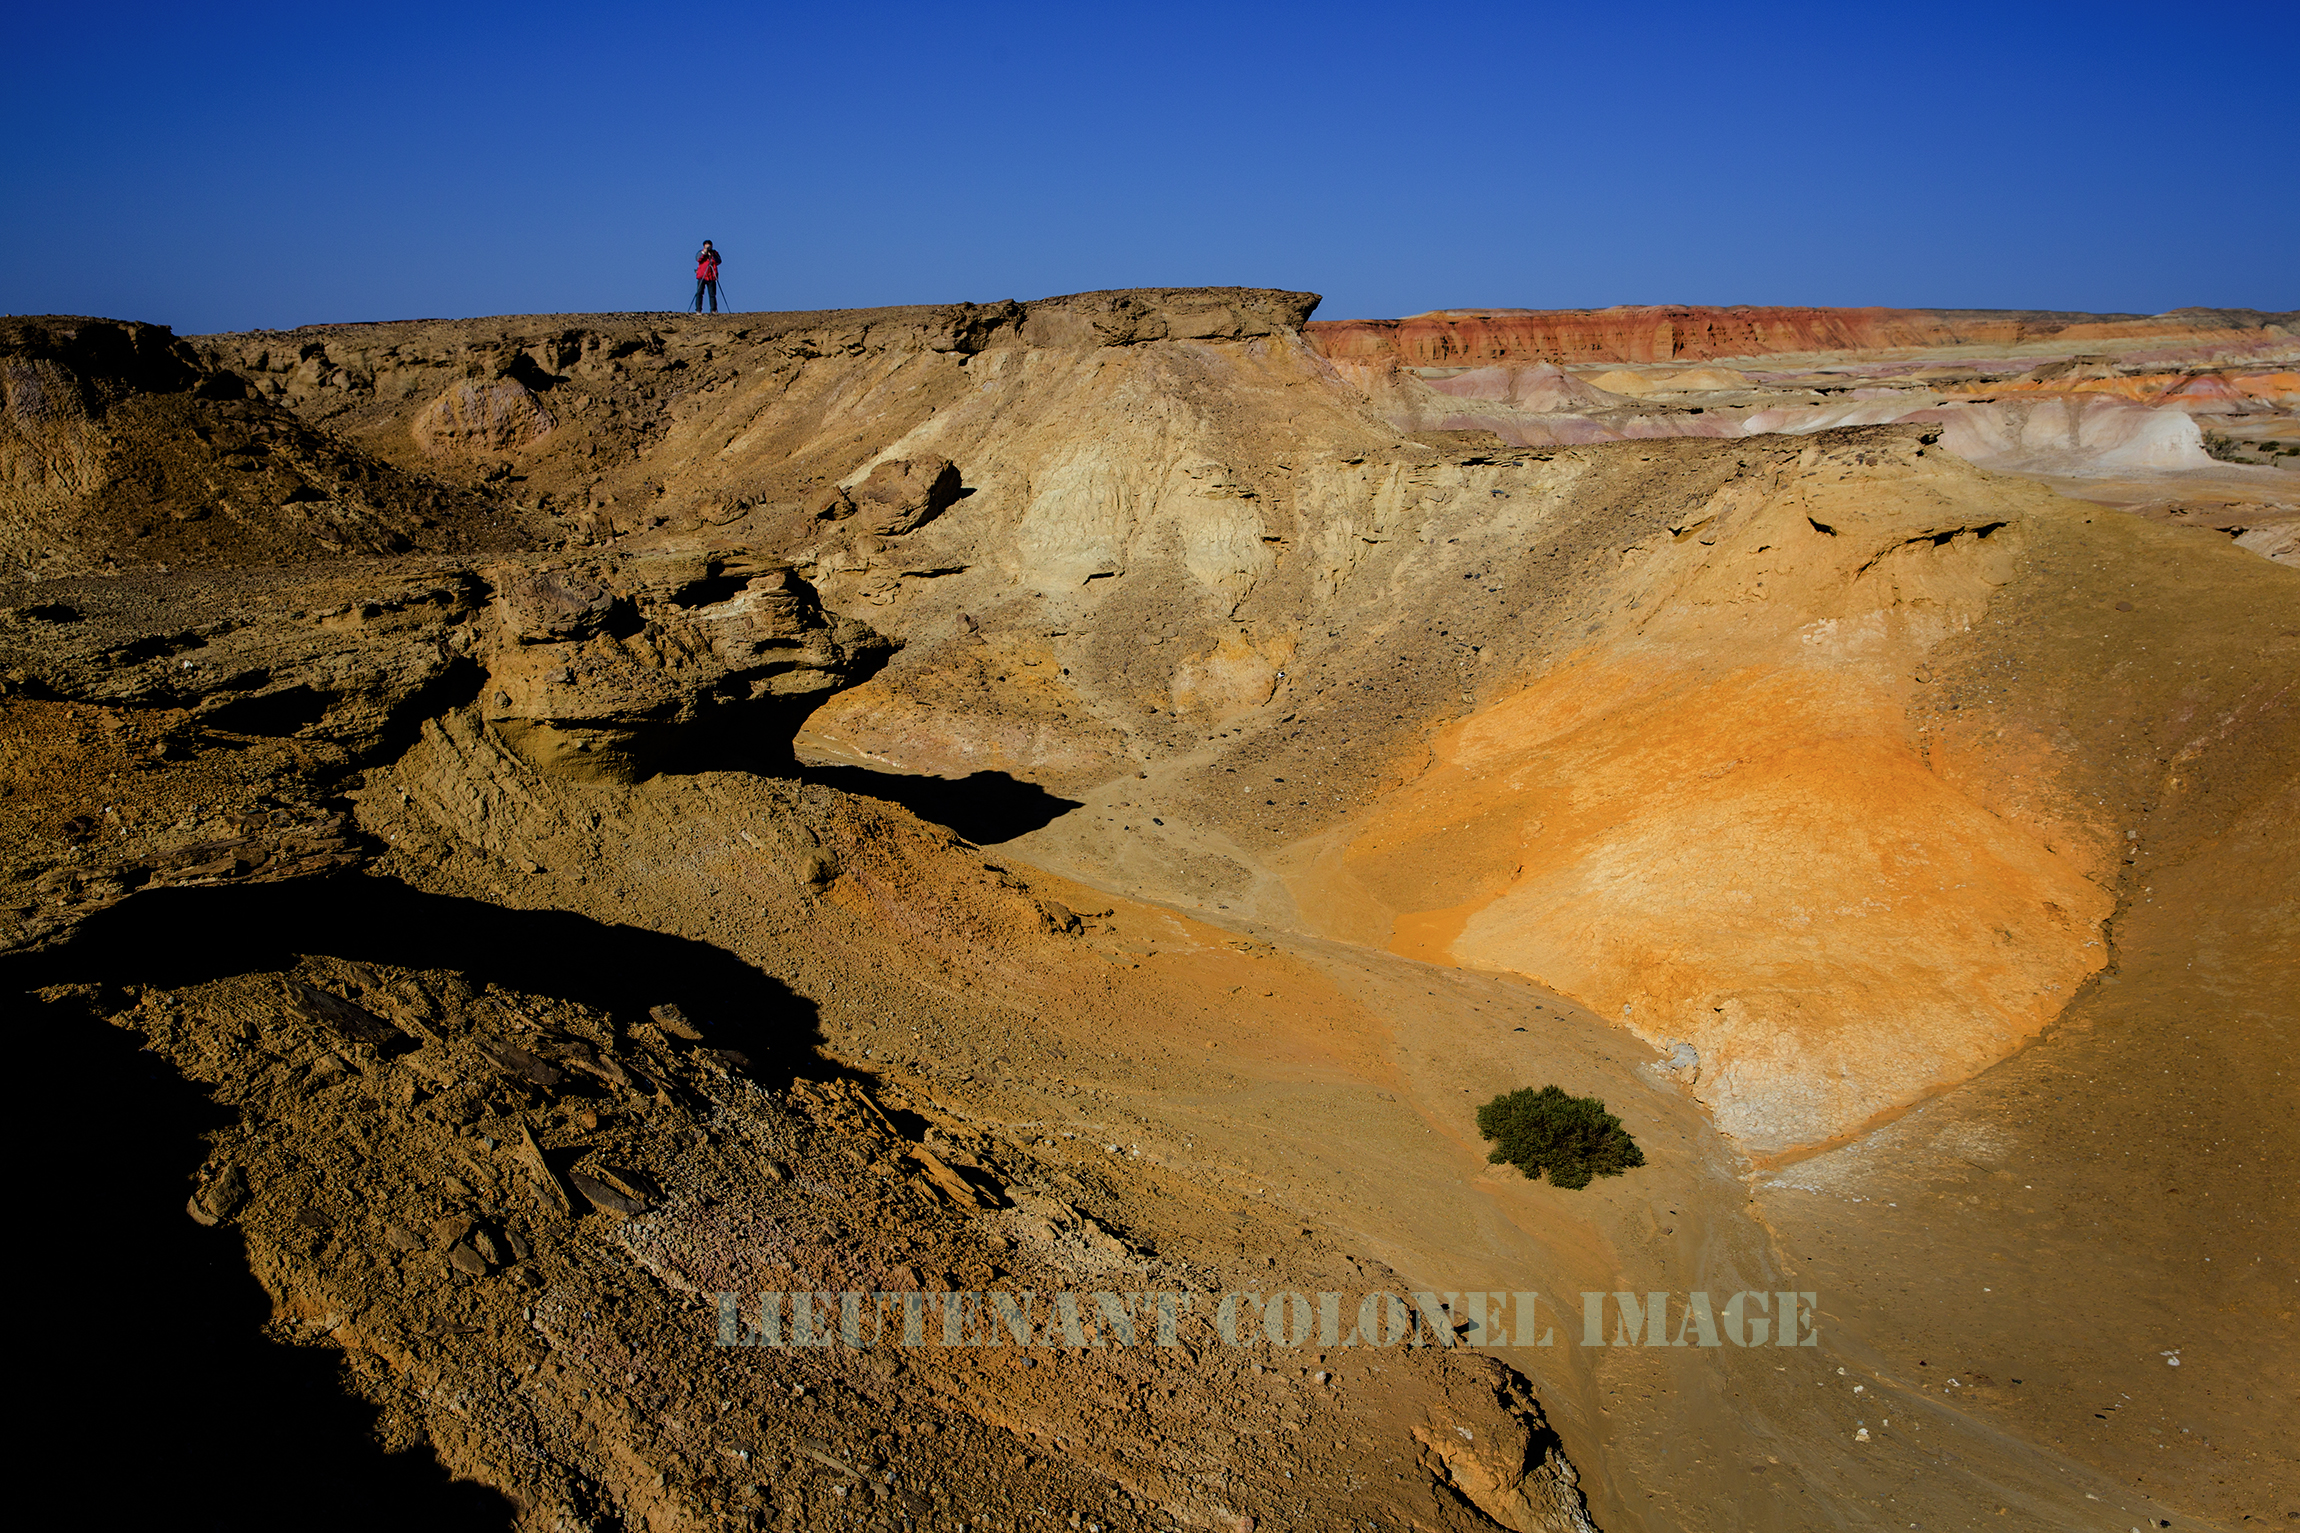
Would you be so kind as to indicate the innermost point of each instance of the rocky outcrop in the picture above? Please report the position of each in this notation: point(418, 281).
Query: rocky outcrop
point(613, 425)
point(501, 417)
point(223, 712)
point(630, 666)
point(61, 367)
point(1132, 316)
point(341, 660)
point(195, 731)
point(244, 844)
point(2074, 369)
point(59, 378)
point(331, 371)
point(120, 447)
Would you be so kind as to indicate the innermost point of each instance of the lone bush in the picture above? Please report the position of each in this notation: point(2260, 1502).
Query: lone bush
point(1572, 1138)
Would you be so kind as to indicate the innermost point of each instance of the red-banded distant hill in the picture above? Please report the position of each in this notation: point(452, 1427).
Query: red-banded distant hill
point(1671, 332)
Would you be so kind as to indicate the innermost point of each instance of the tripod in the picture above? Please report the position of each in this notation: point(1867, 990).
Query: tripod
point(718, 290)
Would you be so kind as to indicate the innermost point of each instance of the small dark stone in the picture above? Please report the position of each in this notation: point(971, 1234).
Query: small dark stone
point(339, 1016)
point(674, 1021)
point(226, 1193)
point(514, 1060)
point(603, 1197)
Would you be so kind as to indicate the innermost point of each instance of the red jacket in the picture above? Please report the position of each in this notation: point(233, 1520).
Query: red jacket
point(707, 267)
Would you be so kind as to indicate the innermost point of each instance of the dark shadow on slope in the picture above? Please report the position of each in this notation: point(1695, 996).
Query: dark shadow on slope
point(177, 937)
point(160, 1396)
point(159, 1401)
point(986, 808)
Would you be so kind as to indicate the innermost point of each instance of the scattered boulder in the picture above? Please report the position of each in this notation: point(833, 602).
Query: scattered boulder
point(470, 418)
point(549, 605)
point(220, 1198)
point(900, 495)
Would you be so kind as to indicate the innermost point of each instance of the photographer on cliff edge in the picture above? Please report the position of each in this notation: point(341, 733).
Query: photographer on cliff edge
point(707, 277)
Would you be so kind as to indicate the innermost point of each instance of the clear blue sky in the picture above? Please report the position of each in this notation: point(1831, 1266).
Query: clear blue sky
point(227, 166)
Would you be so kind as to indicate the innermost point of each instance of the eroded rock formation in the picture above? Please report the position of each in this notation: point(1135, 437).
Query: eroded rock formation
point(1766, 776)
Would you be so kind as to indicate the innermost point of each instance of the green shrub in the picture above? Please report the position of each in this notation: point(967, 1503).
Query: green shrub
point(1572, 1138)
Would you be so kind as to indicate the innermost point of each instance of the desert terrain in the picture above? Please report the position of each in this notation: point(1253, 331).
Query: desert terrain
point(516, 828)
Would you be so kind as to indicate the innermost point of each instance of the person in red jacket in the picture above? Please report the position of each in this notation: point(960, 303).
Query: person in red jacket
point(707, 277)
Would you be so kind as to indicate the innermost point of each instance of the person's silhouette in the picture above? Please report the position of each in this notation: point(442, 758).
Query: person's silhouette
point(707, 277)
